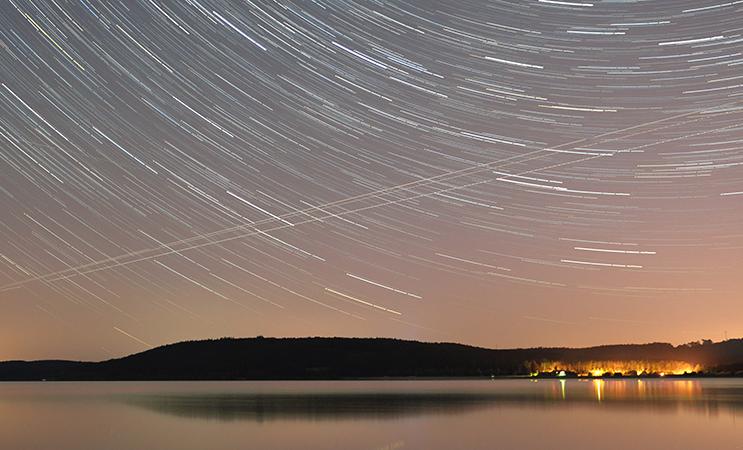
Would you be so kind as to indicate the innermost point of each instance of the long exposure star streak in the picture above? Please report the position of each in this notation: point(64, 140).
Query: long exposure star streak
point(502, 173)
point(73, 271)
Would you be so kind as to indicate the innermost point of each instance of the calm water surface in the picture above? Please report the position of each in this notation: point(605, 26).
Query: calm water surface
point(374, 415)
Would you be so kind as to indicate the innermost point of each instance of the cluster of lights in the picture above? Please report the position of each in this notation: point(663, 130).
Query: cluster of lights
point(608, 368)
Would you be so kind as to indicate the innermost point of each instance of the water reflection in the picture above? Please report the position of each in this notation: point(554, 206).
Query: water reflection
point(599, 387)
point(374, 415)
point(313, 407)
point(384, 400)
point(562, 388)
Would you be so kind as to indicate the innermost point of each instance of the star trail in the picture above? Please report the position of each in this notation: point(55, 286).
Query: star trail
point(501, 173)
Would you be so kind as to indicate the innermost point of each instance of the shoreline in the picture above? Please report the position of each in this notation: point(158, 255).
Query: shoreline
point(464, 378)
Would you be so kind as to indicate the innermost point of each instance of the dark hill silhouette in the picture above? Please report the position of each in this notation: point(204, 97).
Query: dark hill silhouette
point(333, 358)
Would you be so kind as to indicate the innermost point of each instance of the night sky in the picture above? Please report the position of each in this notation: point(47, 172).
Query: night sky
point(520, 173)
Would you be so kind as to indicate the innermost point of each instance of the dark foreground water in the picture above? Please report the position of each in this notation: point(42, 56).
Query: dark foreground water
point(374, 415)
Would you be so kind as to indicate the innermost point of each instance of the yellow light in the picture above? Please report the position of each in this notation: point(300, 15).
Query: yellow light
point(599, 386)
point(597, 368)
point(562, 388)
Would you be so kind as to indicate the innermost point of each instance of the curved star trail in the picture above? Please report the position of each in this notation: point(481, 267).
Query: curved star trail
point(498, 173)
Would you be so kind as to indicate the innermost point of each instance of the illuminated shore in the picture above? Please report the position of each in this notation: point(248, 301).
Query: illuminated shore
point(629, 368)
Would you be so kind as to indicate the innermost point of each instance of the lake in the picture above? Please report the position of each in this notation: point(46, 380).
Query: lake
point(374, 415)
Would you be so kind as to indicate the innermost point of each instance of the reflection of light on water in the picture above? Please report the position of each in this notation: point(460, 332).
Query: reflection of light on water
point(562, 388)
point(609, 390)
point(598, 386)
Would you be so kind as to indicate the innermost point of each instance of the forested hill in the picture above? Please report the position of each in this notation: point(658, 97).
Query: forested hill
point(334, 358)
